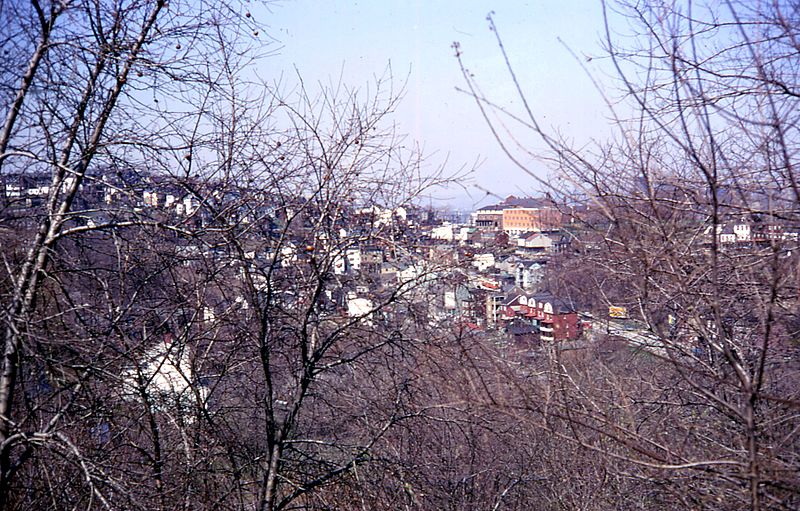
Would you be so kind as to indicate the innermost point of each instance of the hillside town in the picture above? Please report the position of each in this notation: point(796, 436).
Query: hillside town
point(495, 260)
point(244, 265)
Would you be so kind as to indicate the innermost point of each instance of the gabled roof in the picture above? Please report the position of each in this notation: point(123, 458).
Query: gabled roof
point(514, 293)
point(559, 306)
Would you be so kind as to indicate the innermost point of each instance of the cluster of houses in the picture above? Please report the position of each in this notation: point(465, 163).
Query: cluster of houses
point(531, 225)
point(495, 260)
point(485, 273)
point(533, 317)
point(501, 250)
point(504, 249)
point(746, 233)
point(131, 190)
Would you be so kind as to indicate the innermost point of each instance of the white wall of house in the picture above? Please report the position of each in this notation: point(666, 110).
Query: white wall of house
point(166, 373)
point(353, 258)
point(462, 234)
point(742, 232)
point(339, 264)
point(359, 307)
point(483, 261)
point(540, 241)
point(443, 232)
point(449, 300)
point(526, 276)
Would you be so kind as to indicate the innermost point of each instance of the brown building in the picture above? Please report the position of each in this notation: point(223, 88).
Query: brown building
point(518, 220)
point(517, 215)
point(489, 218)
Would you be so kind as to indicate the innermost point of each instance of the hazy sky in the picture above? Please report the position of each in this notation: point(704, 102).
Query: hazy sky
point(358, 39)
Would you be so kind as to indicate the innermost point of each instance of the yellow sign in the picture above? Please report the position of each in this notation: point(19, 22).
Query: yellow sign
point(617, 312)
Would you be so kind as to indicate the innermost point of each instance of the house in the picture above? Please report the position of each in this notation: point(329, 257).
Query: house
point(726, 234)
point(561, 241)
point(358, 306)
point(508, 265)
point(742, 232)
point(557, 320)
point(165, 375)
point(339, 264)
point(443, 232)
point(535, 242)
point(483, 261)
point(528, 273)
point(459, 302)
point(523, 333)
point(766, 233)
point(150, 198)
point(494, 306)
point(554, 318)
point(489, 218)
point(187, 207)
point(372, 258)
point(353, 256)
point(464, 235)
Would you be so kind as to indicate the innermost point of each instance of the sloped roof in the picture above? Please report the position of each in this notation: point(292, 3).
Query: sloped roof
point(515, 328)
point(527, 202)
point(560, 306)
point(520, 202)
point(514, 293)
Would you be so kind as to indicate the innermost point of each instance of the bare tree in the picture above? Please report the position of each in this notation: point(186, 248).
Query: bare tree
point(688, 218)
point(75, 74)
point(180, 327)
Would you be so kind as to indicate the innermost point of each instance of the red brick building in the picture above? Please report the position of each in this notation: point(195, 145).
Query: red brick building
point(555, 319)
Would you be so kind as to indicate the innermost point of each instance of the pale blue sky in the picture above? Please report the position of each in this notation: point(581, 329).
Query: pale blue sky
point(357, 39)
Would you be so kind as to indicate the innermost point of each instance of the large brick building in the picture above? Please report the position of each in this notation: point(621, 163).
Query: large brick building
point(519, 215)
point(554, 319)
point(519, 220)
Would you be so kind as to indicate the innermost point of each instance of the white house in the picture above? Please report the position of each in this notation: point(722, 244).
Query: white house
point(359, 307)
point(483, 261)
point(443, 232)
point(527, 274)
point(536, 242)
point(742, 232)
point(339, 264)
point(165, 375)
